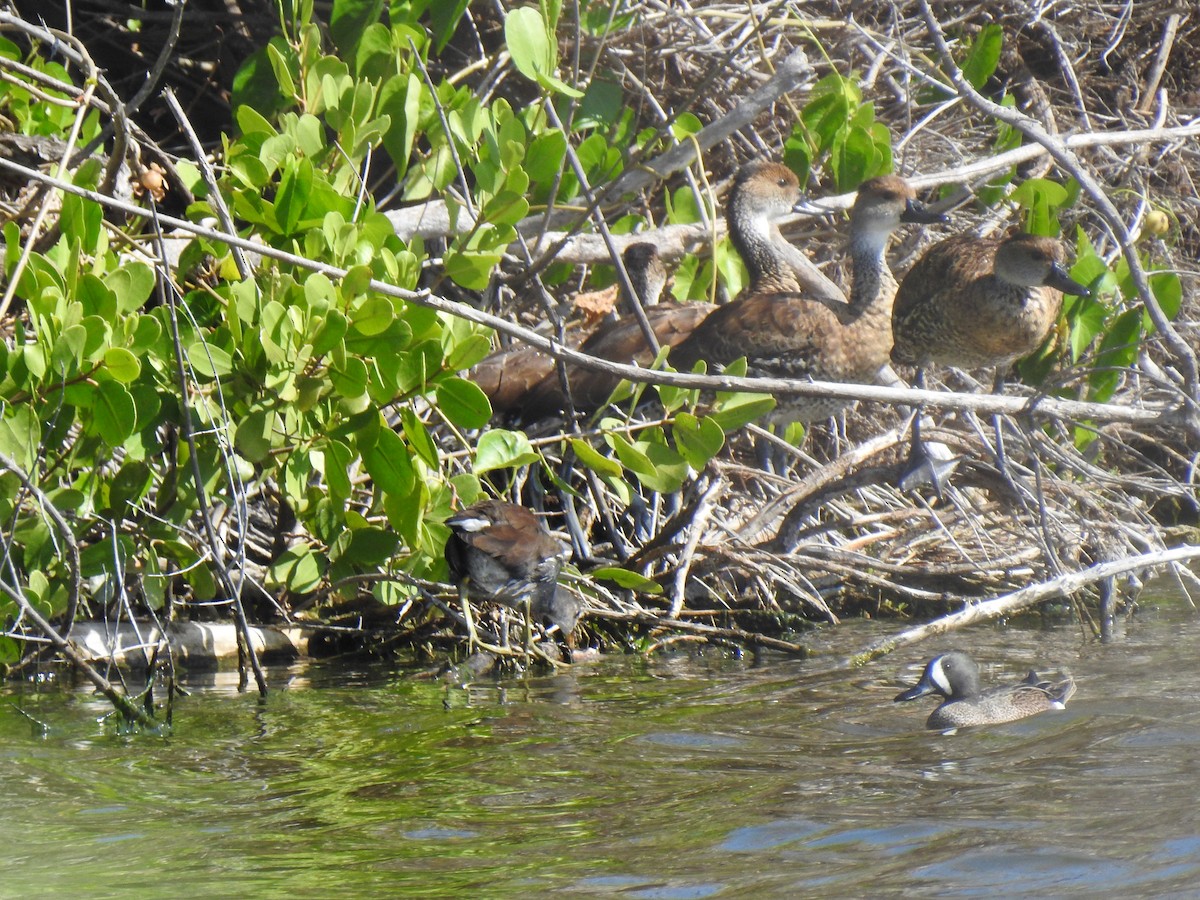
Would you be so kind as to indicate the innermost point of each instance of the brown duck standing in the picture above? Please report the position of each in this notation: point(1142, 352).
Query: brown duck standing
point(502, 552)
point(622, 342)
point(513, 378)
point(974, 302)
point(786, 333)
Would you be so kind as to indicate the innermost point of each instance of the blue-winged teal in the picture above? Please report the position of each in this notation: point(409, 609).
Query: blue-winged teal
point(955, 676)
point(786, 333)
point(511, 377)
point(973, 302)
point(502, 552)
point(622, 341)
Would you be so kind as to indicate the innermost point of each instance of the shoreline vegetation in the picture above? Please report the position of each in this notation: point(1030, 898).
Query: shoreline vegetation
point(241, 302)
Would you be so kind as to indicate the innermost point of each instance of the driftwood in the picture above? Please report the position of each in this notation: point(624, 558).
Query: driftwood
point(1017, 601)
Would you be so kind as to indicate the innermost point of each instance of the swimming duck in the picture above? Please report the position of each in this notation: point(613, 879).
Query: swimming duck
point(622, 341)
point(788, 333)
point(955, 676)
point(502, 552)
point(974, 302)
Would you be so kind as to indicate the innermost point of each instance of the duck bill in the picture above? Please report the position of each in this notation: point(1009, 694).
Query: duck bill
point(917, 213)
point(920, 689)
point(1061, 281)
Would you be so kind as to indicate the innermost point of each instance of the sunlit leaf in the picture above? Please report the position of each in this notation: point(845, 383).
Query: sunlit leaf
point(984, 56)
point(389, 465)
point(463, 402)
point(114, 413)
point(502, 449)
point(629, 580)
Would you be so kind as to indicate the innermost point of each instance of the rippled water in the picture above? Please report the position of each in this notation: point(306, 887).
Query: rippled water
point(677, 777)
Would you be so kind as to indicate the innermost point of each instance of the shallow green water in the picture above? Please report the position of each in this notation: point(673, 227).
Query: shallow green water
point(677, 777)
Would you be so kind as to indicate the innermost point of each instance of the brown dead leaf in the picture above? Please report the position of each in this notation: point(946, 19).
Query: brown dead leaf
point(595, 305)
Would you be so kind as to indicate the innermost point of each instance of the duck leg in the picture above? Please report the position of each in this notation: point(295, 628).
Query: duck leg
point(998, 425)
point(474, 644)
point(920, 467)
point(527, 611)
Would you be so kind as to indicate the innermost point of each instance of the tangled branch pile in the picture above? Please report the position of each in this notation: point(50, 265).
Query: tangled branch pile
point(294, 427)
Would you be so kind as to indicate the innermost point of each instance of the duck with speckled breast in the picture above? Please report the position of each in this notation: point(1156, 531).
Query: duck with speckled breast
point(974, 302)
point(784, 332)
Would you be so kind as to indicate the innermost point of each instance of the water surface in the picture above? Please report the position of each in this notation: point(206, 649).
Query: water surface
point(675, 777)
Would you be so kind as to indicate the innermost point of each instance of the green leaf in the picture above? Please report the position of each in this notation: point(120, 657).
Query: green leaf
point(467, 352)
point(463, 402)
point(528, 42)
point(349, 20)
point(1040, 198)
point(349, 377)
point(670, 468)
point(501, 449)
point(68, 349)
point(854, 157)
point(373, 316)
point(210, 360)
point(629, 580)
point(114, 413)
point(20, 434)
point(1088, 264)
point(337, 463)
point(596, 461)
point(545, 156)
point(256, 93)
point(254, 436)
point(984, 56)
point(443, 19)
point(1168, 290)
point(291, 200)
point(1118, 349)
point(10, 651)
point(1085, 325)
point(655, 465)
point(371, 546)
point(128, 487)
point(737, 409)
point(330, 333)
point(603, 104)
point(122, 365)
point(418, 437)
point(506, 208)
point(297, 569)
point(132, 284)
point(389, 464)
point(685, 125)
point(699, 440)
point(471, 270)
